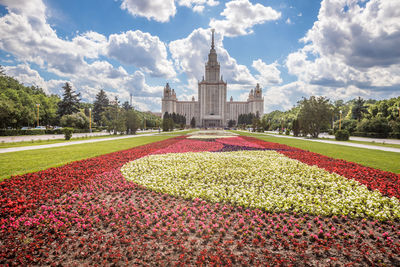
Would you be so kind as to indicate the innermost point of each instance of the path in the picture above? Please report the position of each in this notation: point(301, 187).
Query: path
point(342, 143)
point(24, 148)
point(45, 137)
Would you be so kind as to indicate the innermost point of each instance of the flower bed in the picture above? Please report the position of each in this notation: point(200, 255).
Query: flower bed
point(259, 179)
point(94, 216)
point(386, 182)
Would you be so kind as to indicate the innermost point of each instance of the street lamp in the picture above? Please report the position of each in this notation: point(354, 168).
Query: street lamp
point(90, 120)
point(340, 120)
point(37, 117)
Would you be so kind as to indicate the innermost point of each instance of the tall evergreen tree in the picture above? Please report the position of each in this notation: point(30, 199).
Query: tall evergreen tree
point(359, 109)
point(100, 104)
point(2, 71)
point(70, 102)
point(193, 123)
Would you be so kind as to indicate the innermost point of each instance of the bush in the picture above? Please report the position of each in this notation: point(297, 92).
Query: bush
point(346, 124)
point(376, 127)
point(287, 132)
point(76, 120)
point(68, 133)
point(342, 135)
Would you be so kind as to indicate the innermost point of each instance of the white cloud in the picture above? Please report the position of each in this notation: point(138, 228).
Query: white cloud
point(288, 21)
point(190, 55)
point(351, 46)
point(158, 10)
point(142, 50)
point(268, 74)
point(197, 5)
point(26, 75)
point(241, 16)
point(37, 42)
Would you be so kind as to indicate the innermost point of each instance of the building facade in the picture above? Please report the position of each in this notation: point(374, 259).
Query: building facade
point(212, 108)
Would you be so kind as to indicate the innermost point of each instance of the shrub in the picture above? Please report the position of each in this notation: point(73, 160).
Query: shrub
point(376, 127)
point(287, 132)
point(68, 133)
point(342, 135)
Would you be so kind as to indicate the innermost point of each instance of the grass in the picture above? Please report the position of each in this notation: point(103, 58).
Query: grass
point(48, 142)
point(375, 144)
point(383, 160)
point(56, 141)
point(14, 163)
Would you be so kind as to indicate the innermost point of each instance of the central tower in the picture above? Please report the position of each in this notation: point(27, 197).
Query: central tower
point(212, 92)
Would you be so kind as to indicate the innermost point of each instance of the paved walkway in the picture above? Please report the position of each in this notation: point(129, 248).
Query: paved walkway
point(383, 148)
point(24, 148)
point(45, 137)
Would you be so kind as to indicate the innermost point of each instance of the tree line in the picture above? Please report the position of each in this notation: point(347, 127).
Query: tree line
point(25, 106)
point(358, 117)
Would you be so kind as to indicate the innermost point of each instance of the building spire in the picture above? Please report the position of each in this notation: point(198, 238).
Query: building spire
point(212, 38)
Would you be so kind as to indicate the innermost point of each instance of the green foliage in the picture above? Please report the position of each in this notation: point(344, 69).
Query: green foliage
point(296, 127)
point(68, 133)
point(168, 122)
point(349, 125)
point(132, 121)
point(246, 119)
point(193, 123)
point(114, 118)
point(287, 132)
point(342, 135)
point(231, 123)
point(375, 127)
point(314, 114)
point(70, 102)
point(359, 109)
point(76, 120)
point(99, 106)
point(18, 105)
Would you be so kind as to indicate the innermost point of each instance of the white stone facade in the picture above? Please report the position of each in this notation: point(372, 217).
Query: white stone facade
point(212, 109)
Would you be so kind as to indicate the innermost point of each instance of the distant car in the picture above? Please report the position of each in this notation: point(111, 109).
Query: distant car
point(25, 128)
point(40, 128)
point(57, 128)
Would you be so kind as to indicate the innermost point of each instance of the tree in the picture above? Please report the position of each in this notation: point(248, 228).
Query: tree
point(132, 121)
point(2, 71)
point(359, 109)
point(314, 114)
point(296, 127)
point(76, 120)
point(231, 123)
point(126, 105)
point(193, 123)
point(70, 102)
point(100, 104)
point(114, 118)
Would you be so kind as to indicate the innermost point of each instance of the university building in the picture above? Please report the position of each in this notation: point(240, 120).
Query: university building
point(212, 108)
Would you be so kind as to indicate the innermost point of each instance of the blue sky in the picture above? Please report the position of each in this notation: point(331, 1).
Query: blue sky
point(340, 49)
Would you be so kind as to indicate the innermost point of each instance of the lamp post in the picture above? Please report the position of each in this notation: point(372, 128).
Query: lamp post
point(90, 120)
point(340, 120)
point(37, 117)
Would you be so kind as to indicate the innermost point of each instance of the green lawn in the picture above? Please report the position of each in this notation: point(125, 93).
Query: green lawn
point(47, 142)
point(387, 161)
point(14, 163)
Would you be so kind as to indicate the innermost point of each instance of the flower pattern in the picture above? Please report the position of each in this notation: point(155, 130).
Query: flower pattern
point(87, 213)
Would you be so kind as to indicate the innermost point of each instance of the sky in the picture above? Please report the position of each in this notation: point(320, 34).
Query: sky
point(340, 49)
